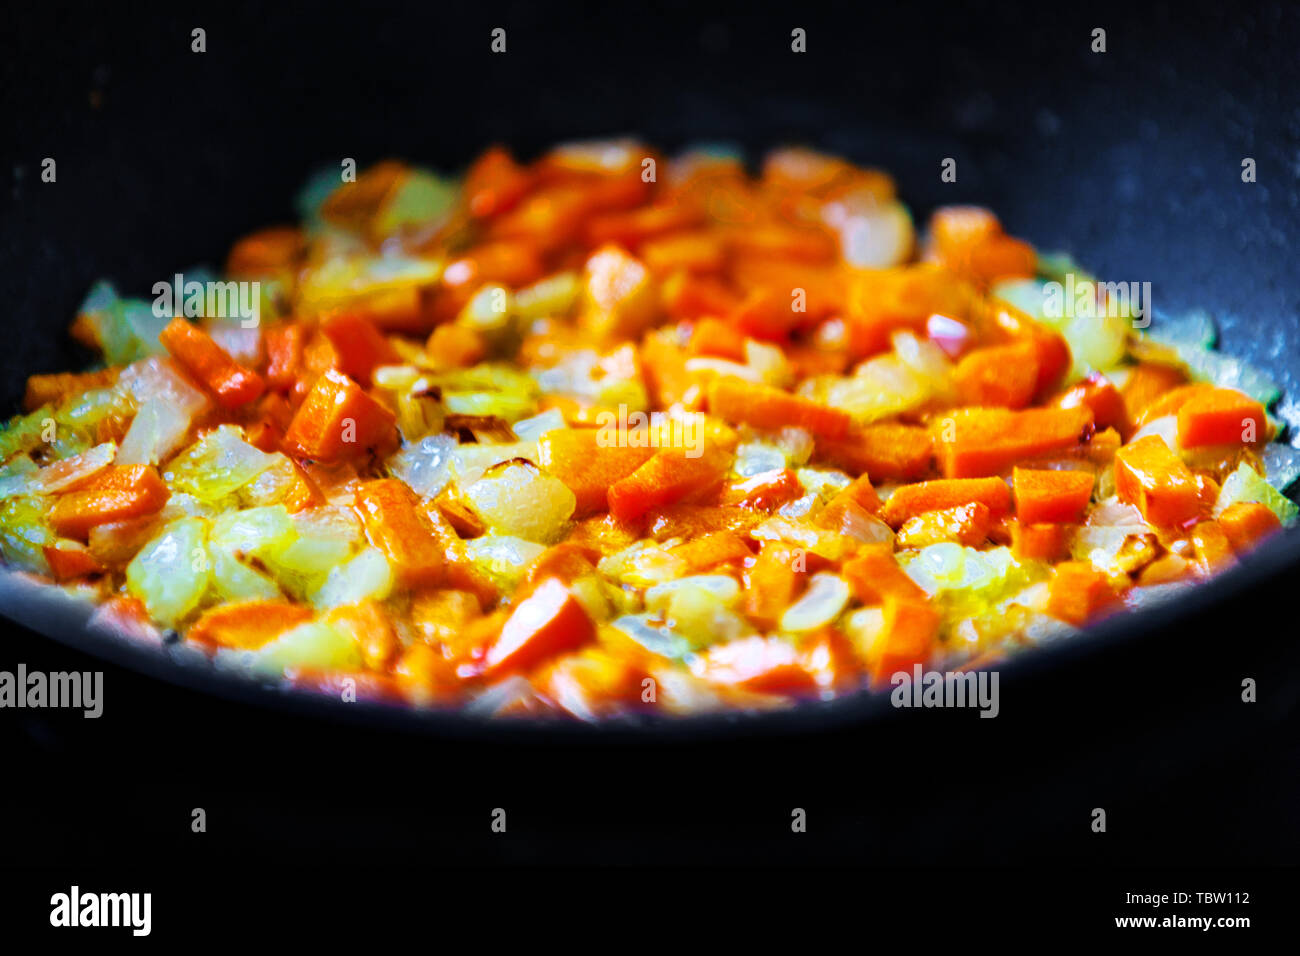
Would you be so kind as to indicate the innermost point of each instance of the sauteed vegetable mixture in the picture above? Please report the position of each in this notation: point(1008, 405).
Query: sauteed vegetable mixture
point(612, 432)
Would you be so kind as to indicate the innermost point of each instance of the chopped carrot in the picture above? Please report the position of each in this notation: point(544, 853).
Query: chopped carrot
point(911, 500)
point(1221, 417)
point(765, 491)
point(886, 452)
point(1079, 593)
point(1041, 542)
point(690, 521)
point(47, 389)
point(210, 364)
point(1102, 397)
point(75, 472)
point(338, 419)
point(711, 550)
point(546, 623)
point(1149, 475)
point(974, 442)
point(1212, 546)
point(266, 251)
point(1004, 375)
point(455, 346)
point(1146, 382)
point(1172, 401)
point(372, 629)
point(772, 583)
point(361, 346)
point(589, 462)
point(284, 355)
point(115, 494)
point(1051, 497)
point(957, 229)
point(762, 406)
point(910, 630)
point(860, 496)
point(70, 559)
point(874, 574)
point(695, 252)
point(393, 524)
point(687, 296)
point(495, 183)
point(515, 262)
point(632, 227)
point(247, 625)
point(1000, 257)
point(712, 336)
point(1246, 523)
point(671, 475)
point(1166, 569)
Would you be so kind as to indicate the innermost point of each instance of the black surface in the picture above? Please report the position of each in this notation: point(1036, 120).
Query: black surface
point(1130, 159)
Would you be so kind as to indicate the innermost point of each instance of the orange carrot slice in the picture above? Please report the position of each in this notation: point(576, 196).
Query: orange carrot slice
point(589, 462)
point(247, 625)
point(912, 500)
point(1149, 475)
point(116, 494)
point(546, 623)
point(210, 364)
point(765, 407)
point(360, 344)
point(999, 375)
point(671, 475)
point(1246, 523)
point(974, 442)
point(337, 419)
point(1079, 593)
point(1051, 497)
point(395, 526)
point(1223, 416)
point(886, 452)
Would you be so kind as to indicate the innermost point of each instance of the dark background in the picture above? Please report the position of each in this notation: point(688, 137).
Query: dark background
point(1130, 159)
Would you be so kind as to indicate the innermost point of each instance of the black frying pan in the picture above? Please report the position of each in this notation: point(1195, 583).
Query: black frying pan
point(1130, 159)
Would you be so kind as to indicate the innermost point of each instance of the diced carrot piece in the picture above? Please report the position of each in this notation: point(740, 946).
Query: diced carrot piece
point(999, 321)
point(909, 633)
point(568, 561)
point(515, 262)
point(712, 550)
point(1246, 523)
point(697, 252)
point(1149, 475)
point(210, 364)
point(1041, 542)
point(763, 406)
point(1102, 397)
point(772, 583)
point(361, 346)
point(857, 499)
point(455, 346)
point(1000, 257)
point(338, 419)
point(266, 251)
point(911, 500)
point(874, 574)
point(886, 452)
point(495, 183)
point(284, 352)
point(1078, 593)
point(1172, 401)
point(1146, 382)
point(1221, 417)
point(1051, 497)
point(632, 227)
point(47, 389)
point(395, 526)
point(1004, 375)
point(619, 297)
point(765, 491)
point(70, 559)
point(247, 625)
point(671, 475)
point(667, 379)
point(974, 442)
point(116, 494)
point(690, 521)
point(957, 229)
point(1212, 546)
point(714, 337)
point(548, 622)
point(768, 665)
point(550, 216)
point(75, 472)
point(1207, 493)
point(687, 296)
point(589, 462)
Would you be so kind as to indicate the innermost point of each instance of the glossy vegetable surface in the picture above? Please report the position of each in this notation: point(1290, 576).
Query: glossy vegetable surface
point(613, 432)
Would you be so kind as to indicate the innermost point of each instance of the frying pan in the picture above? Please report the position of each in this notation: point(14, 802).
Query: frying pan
point(1130, 159)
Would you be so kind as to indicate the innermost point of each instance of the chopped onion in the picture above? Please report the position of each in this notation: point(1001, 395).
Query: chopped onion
point(822, 603)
